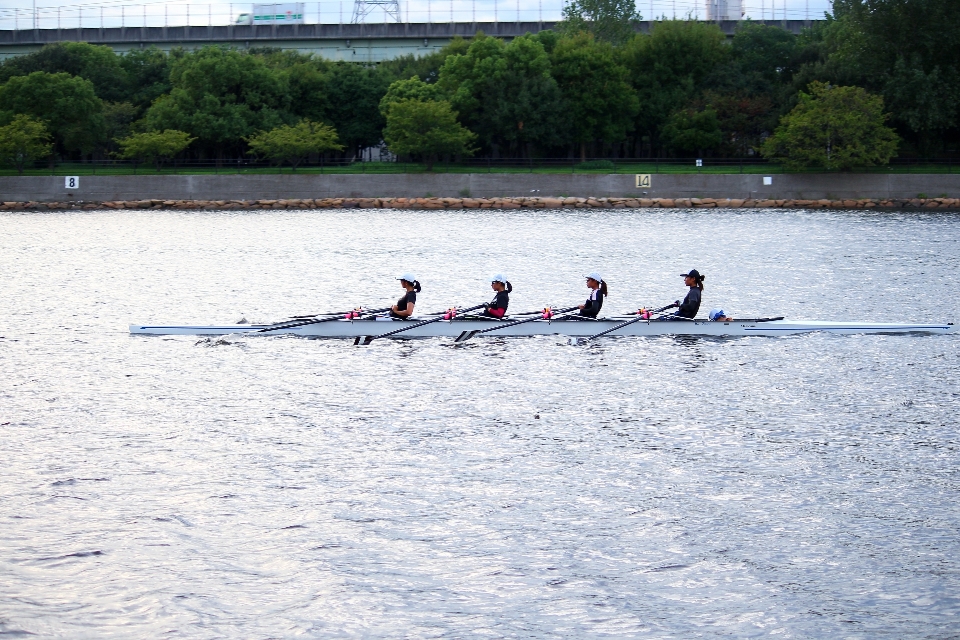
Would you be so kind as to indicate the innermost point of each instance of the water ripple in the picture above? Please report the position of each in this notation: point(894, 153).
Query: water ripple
point(801, 486)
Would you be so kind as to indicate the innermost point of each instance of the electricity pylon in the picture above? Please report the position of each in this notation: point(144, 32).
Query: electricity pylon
point(362, 8)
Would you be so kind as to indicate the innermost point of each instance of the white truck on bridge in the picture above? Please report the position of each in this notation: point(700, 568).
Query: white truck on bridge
point(277, 13)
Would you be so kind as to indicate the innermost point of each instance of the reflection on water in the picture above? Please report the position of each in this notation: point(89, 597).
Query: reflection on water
point(800, 486)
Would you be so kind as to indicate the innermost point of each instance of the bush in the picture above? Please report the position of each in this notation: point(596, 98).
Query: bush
point(427, 129)
point(294, 143)
point(23, 141)
point(692, 131)
point(833, 128)
point(153, 146)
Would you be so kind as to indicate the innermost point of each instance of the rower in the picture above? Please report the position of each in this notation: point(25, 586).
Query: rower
point(598, 291)
point(691, 303)
point(497, 307)
point(404, 307)
point(719, 315)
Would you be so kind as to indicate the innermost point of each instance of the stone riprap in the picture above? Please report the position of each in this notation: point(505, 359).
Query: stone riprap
point(491, 203)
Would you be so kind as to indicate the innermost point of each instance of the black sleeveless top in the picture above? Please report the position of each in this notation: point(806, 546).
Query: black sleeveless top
point(500, 302)
point(409, 296)
point(591, 308)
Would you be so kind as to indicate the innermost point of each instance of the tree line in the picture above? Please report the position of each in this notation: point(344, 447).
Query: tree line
point(875, 79)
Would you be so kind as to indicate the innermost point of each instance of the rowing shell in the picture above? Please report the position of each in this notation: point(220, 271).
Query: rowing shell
point(573, 328)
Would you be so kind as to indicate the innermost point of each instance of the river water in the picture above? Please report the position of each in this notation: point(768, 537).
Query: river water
point(802, 487)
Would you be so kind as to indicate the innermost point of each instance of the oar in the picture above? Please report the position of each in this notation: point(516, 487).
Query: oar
point(528, 313)
point(365, 340)
point(628, 322)
point(350, 315)
point(317, 315)
point(546, 314)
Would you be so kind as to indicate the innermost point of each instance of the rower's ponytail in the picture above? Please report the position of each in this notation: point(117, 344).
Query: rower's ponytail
point(509, 287)
point(700, 282)
point(416, 286)
point(603, 288)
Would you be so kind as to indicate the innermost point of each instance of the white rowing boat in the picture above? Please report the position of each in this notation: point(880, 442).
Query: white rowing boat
point(343, 328)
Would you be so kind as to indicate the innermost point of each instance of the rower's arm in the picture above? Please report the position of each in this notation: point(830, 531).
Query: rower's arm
point(406, 313)
point(591, 308)
point(688, 308)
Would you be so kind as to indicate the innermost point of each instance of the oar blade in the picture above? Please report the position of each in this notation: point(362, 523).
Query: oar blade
point(357, 340)
point(367, 340)
point(466, 335)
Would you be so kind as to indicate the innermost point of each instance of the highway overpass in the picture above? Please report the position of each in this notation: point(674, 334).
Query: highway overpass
point(350, 42)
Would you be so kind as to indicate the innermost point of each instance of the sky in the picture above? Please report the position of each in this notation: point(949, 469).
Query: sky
point(50, 13)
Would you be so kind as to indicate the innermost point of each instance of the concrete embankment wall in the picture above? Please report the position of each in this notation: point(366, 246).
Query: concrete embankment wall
point(481, 185)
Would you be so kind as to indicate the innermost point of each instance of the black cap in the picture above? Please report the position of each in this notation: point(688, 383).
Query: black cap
point(693, 274)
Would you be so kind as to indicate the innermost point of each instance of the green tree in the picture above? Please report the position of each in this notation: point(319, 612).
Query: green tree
point(221, 96)
point(307, 82)
point(506, 94)
point(744, 120)
point(426, 67)
point(764, 56)
point(611, 21)
point(601, 104)
point(693, 131)
point(833, 128)
point(306, 78)
point(23, 141)
point(898, 48)
point(549, 39)
point(154, 146)
point(426, 129)
point(294, 143)
point(411, 89)
point(68, 105)
point(98, 64)
point(926, 103)
point(752, 87)
point(118, 119)
point(353, 108)
point(148, 75)
point(668, 68)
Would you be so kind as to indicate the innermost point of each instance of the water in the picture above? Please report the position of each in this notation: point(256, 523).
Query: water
point(281, 487)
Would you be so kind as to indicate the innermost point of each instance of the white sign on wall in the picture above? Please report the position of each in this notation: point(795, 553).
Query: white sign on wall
point(72, 182)
point(643, 180)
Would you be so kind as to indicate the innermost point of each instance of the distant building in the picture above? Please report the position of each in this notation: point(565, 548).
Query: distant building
point(724, 10)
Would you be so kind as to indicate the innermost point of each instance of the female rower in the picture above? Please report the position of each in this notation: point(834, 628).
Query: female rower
point(691, 303)
point(497, 307)
point(404, 307)
point(598, 292)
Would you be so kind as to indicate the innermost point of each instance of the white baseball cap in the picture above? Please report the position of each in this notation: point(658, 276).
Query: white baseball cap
point(409, 277)
point(594, 276)
point(499, 278)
